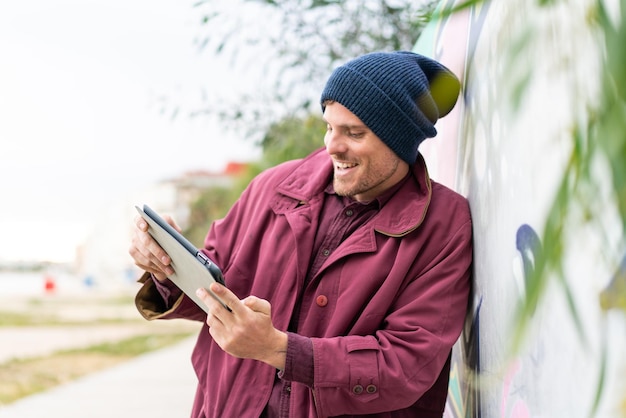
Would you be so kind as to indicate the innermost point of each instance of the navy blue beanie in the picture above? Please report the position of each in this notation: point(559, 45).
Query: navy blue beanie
point(398, 95)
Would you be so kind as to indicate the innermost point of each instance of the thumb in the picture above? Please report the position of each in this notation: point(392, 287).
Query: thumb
point(258, 304)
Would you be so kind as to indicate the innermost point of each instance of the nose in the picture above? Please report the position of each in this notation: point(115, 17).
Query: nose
point(335, 143)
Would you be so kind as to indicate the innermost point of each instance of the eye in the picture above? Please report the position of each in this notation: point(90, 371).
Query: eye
point(356, 134)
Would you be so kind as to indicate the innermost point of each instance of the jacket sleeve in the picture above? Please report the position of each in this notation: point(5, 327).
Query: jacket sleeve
point(165, 301)
point(395, 367)
point(220, 245)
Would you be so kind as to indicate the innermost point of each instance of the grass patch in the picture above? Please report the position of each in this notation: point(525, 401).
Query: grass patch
point(130, 347)
point(24, 377)
point(17, 319)
point(20, 319)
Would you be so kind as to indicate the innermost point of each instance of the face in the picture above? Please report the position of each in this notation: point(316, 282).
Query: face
point(364, 166)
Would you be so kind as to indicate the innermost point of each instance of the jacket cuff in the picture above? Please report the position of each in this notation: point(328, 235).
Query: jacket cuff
point(151, 301)
point(299, 360)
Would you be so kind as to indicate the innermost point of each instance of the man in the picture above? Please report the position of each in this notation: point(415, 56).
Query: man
point(347, 272)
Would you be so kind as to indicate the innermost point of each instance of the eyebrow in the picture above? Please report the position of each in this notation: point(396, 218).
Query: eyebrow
point(349, 125)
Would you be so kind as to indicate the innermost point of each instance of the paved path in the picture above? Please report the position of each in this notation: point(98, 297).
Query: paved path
point(160, 384)
point(25, 342)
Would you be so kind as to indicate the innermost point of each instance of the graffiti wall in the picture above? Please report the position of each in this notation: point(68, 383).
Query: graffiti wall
point(529, 73)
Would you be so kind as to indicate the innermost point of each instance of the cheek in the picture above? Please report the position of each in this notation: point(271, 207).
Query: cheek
point(384, 164)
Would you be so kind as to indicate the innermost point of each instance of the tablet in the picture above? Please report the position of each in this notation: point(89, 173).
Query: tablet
point(192, 268)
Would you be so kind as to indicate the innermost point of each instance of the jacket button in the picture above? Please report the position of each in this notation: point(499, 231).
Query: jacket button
point(371, 389)
point(321, 300)
point(357, 389)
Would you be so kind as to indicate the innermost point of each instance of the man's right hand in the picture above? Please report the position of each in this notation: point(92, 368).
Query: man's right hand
point(147, 253)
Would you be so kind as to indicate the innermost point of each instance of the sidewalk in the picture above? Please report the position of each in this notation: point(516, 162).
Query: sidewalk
point(157, 384)
point(34, 341)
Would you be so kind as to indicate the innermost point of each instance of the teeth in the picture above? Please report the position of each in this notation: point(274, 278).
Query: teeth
point(345, 165)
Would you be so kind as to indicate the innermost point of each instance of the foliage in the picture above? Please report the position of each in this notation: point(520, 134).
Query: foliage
point(600, 138)
point(292, 138)
point(287, 139)
point(211, 204)
point(295, 44)
point(608, 124)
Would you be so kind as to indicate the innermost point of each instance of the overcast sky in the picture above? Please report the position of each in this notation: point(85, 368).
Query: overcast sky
point(80, 112)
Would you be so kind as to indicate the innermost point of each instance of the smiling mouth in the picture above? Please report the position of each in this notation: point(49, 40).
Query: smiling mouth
point(342, 167)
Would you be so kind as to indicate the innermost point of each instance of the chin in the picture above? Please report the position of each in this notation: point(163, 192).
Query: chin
point(342, 190)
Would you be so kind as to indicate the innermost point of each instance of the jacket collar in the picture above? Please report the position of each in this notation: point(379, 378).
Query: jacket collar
point(397, 217)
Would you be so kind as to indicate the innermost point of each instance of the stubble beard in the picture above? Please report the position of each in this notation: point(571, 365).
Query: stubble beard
point(364, 183)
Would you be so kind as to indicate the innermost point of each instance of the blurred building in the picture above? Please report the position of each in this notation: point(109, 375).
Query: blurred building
point(183, 190)
point(103, 262)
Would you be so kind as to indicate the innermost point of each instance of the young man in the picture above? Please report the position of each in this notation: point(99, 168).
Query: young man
point(347, 272)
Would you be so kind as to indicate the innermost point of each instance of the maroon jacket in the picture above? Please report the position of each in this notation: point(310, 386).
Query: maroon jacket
point(395, 296)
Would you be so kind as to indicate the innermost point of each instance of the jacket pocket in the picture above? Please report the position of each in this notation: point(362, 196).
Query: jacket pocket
point(364, 379)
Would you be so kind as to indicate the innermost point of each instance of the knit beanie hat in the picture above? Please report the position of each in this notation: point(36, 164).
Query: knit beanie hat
point(398, 95)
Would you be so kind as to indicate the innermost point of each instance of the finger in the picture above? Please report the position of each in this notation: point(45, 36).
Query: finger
point(219, 300)
point(152, 250)
point(148, 254)
point(212, 321)
point(146, 265)
point(141, 224)
point(143, 239)
point(141, 251)
point(257, 304)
